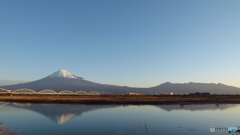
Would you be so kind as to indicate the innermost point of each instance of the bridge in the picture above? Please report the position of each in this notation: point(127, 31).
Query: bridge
point(26, 91)
point(4, 90)
point(51, 92)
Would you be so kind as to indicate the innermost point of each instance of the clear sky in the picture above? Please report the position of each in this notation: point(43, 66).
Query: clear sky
point(139, 43)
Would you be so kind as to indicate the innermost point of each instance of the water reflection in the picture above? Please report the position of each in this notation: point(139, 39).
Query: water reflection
point(109, 119)
point(59, 113)
point(197, 107)
point(3, 103)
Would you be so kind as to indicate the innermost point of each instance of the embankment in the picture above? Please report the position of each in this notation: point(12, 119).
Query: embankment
point(122, 99)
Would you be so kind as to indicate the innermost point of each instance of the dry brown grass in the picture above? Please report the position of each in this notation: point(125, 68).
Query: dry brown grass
point(134, 99)
point(4, 130)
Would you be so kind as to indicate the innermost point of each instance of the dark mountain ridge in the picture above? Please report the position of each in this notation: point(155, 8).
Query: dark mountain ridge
point(196, 87)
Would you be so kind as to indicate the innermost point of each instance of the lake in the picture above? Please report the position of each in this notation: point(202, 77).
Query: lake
point(67, 119)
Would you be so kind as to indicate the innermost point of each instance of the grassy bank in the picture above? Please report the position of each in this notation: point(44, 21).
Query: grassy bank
point(121, 99)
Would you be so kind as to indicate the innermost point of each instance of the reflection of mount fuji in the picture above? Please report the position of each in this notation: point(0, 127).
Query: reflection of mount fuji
point(197, 107)
point(61, 113)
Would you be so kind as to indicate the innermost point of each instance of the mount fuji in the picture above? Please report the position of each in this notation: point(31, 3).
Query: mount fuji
point(63, 74)
point(63, 80)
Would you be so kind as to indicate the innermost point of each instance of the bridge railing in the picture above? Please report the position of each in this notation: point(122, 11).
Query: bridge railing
point(4, 90)
point(47, 92)
point(26, 91)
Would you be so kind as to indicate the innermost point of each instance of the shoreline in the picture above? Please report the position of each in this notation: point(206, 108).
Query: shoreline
point(122, 99)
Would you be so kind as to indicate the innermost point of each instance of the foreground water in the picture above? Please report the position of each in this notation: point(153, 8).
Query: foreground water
point(45, 119)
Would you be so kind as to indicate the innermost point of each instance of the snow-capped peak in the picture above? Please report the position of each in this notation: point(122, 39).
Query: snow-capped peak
point(63, 73)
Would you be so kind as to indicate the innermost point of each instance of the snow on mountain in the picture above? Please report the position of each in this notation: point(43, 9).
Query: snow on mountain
point(62, 73)
point(65, 117)
point(63, 80)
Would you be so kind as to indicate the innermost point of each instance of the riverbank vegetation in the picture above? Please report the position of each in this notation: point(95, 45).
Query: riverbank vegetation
point(122, 99)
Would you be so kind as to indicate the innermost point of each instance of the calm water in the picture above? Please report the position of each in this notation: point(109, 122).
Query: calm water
point(47, 119)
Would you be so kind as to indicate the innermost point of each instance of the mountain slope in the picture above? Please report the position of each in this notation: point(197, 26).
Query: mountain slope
point(63, 80)
point(63, 74)
point(195, 87)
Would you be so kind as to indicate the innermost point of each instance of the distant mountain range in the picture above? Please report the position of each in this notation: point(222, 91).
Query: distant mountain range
point(196, 87)
point(11, 82)
point(63, 80)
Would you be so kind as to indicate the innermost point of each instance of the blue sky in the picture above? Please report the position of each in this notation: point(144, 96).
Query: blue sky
point(136, 43)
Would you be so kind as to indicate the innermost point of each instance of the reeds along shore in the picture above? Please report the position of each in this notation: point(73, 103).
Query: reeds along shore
point(121, 99)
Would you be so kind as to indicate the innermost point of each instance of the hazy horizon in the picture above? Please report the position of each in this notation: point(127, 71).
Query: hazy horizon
point(10, 82)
